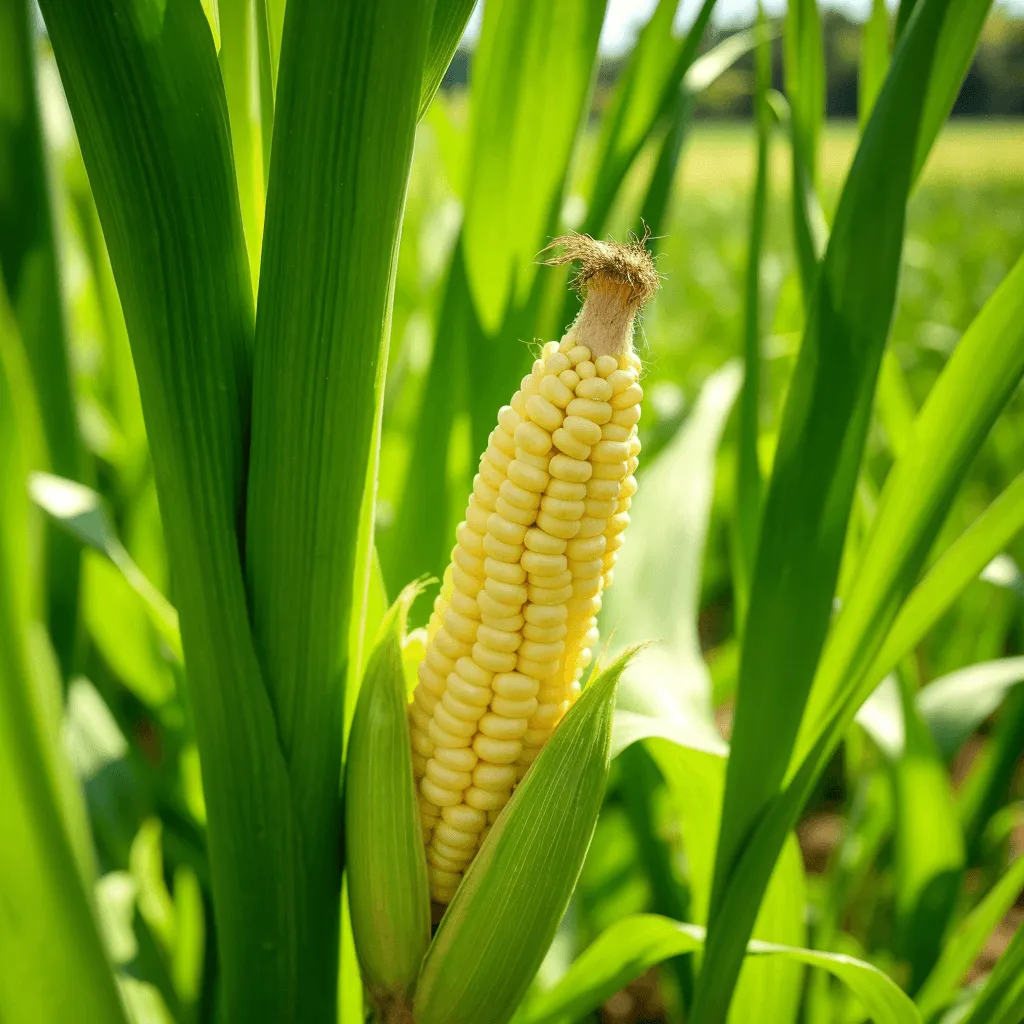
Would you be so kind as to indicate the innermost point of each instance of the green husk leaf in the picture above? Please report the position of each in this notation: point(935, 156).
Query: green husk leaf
point(389, 900)
point(506, 912)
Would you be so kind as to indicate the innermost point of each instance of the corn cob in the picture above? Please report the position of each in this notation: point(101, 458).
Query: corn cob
point(516, 620)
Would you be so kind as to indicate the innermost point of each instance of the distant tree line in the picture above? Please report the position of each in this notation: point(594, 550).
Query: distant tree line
point(993, 87)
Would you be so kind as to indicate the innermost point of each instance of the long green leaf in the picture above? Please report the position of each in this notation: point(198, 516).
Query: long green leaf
point(1001, 1001)
point(30, 270)
point(237, 64)
point(522, 141)
point(145, 91)
point(646, 93)
point(965, 943)
point(749, 482)
point(54, 965)
point(496, 931)
point(345, 116)
point(984, 791)
point(874, 59)
point(446, 29)
point(703, 72)
point(804, 53)
point(816, 466)
point(637, 943)
point(419, 544)
point(929, 845)
point(953, 55)
point(960, 564)
point(977, 381)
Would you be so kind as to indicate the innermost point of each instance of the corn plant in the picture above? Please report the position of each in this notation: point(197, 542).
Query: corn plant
point(237, 781)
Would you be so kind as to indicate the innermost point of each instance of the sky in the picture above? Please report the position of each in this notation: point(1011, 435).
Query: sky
point(625, 17)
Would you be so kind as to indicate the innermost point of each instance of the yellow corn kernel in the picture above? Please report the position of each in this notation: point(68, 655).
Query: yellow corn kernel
point(515, 622)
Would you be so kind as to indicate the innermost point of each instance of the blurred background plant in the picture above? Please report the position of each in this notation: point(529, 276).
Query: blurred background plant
point(733, 142)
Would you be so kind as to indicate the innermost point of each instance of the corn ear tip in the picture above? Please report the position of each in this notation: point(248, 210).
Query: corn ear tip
point(627, 263)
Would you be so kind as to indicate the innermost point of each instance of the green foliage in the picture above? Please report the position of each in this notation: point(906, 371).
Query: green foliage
point(260, 327)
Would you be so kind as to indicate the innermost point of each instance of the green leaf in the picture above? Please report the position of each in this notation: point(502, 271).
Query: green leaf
point(122, 632)
point(695, 784)
point(1001, 1001)
point(496, 931)
point(635, 944)
point(874, 59)
point(419, 542)
point(977, 381)
point(749, 480)
point(804, 60)
point(122, 386)
point(966, 942)
point(807, 507)
point(187, 958)
point(983, 792)
point(80, 510)
point(29, 268)
point(704, 71)
point(953, 55)
point(238, 59)
point(646, 92)
point(145, 91)
point(345, 118)
point(655, 597)
point(446, 30)
point(929, 845)
point(55, 968)
point(389, 901)
point(268, 32)
point(960, 564)
point(955, 705)
point(522, 141)
point(896, 409)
